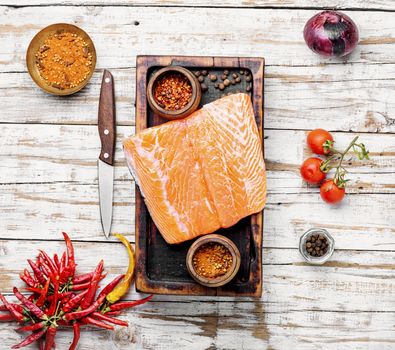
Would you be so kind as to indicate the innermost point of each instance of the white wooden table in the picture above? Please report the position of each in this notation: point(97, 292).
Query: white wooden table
point(48, 175)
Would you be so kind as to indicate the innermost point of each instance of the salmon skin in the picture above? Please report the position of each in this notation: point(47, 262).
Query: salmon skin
point(203, 172)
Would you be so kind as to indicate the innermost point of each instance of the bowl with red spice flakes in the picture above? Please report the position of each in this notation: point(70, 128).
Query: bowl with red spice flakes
point(173, 92)
point(213, 260)
point(61, 59)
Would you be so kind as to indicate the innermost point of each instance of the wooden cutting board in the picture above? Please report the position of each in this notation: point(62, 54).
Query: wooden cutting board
point(161, 268)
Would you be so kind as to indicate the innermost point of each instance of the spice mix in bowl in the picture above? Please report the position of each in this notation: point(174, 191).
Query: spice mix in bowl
point(173, 92)
point(61, 59)
point(213, 260)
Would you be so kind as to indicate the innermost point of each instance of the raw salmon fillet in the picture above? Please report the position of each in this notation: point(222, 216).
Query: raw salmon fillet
point(203, 172)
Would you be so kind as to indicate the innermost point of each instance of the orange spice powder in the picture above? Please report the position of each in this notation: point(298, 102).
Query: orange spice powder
point(212, 260)
point(64, 60)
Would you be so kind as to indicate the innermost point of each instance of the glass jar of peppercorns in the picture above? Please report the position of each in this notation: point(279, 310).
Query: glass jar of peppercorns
point(316, 246)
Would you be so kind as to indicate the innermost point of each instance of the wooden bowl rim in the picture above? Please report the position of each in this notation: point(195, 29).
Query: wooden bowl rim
point(40, 37)
point(165, 70)
point(221, 280)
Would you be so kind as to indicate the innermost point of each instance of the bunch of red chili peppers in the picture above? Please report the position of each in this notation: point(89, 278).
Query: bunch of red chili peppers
point(62, 298)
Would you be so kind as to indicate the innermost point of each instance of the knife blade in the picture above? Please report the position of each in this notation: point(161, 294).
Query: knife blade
point(107, 133)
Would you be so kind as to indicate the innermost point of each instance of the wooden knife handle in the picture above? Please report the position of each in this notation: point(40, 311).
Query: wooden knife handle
point(107, 119)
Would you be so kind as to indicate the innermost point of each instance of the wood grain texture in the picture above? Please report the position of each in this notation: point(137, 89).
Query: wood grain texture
point(107, 119)
point(360, 281)
point(48, 174)
point(356, 98)
point(68, 153)
point(317, 4)
point(41, 211)
point(272, 33)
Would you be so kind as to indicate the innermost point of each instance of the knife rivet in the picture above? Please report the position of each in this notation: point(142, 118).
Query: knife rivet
point(106, 132)
point(107, 80)
point(106, 155)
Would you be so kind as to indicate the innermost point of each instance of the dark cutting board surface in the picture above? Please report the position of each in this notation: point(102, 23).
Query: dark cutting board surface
point(161, 267)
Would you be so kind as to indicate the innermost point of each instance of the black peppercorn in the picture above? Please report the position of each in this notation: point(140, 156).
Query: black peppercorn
point(213, 77)
point(226, 72)
point(204, 87)
point(197, 73)
point(204, 72)
point(221, 86)
point(201, 78)
point(226, 82)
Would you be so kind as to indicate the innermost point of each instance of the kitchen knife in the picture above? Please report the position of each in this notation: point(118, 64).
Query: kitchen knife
point(106, 123)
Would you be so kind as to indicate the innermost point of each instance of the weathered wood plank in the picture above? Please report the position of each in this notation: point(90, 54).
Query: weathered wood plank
point(350, 281)
point(350, 97)
point(273, 33)
point(68, 153)
point(197, 326)
point(41, 211)
point(342, 4)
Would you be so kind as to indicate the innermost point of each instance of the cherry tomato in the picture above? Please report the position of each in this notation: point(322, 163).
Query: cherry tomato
point(316, 139)
point(330, 193)
point(311, 172)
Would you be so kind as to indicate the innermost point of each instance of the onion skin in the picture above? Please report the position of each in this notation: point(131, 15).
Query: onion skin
point(331, 33)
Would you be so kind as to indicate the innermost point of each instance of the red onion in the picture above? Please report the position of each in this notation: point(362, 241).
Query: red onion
point(331, 33)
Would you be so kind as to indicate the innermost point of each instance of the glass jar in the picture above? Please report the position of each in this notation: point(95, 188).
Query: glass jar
point(316, 260)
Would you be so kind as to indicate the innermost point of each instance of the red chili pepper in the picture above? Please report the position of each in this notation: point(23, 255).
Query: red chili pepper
point(79, 314)
point(30, 339)
point(62, 277)
point(109, 287)
point(17, 307)
point(99, 316)
point(54, 301)
point(93, 286)
point(113, 313)
point(46, 270)
point(74, 301)
point(37, 272)
point(21, 309)
point(16, 314)
point(50, 263)
point(127, 304)
point(61, 296)
point(76, 338)
point(80, 286)
point(34, 290)
point(31, 327)
point(6, 318)
point(50, 338)
point(97, 323)
point(41, 344)
point(56, 261)
point(70, 266)
point(28, 279)
point(43, 295)
point(34, 309)
point(82, 278)
point(25, 279)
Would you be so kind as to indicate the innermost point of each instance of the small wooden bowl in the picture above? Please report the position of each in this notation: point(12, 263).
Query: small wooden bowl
point(37, 42)
point(191, 106)
point(221, 280)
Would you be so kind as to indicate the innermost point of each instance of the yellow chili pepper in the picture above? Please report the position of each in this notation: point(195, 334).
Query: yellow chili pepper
point(122, 287)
